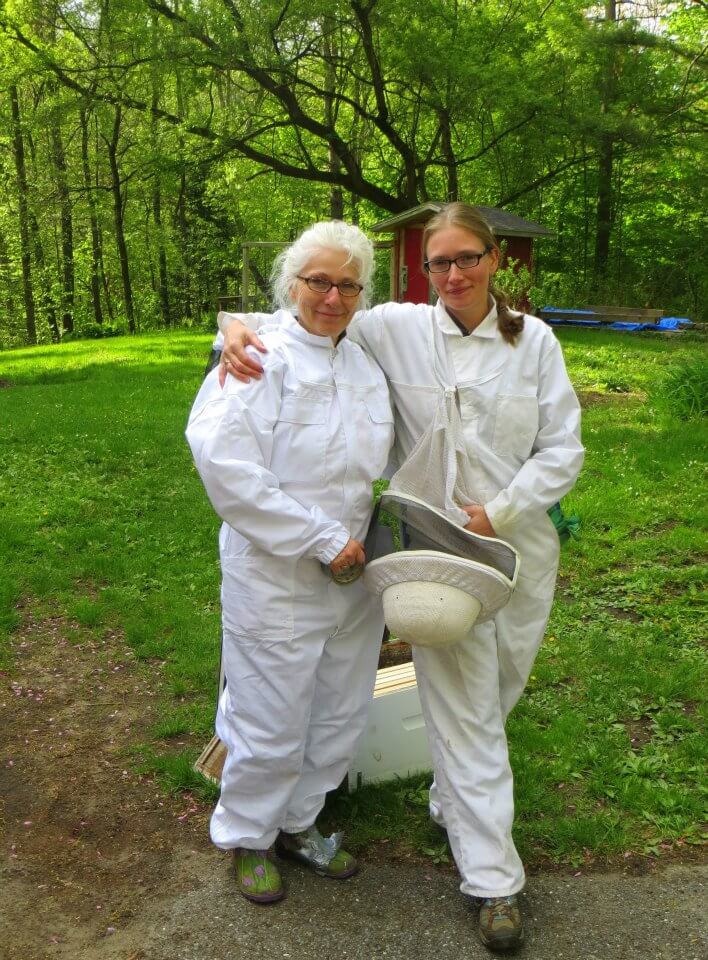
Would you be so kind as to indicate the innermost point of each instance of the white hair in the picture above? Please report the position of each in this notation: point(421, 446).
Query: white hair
point(328, 235)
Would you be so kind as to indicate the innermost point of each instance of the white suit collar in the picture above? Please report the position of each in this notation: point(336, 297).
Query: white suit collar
point(290, 322)
point(488, 328)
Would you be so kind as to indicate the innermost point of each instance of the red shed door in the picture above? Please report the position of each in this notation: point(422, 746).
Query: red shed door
point(414, 283)
point(518, 248)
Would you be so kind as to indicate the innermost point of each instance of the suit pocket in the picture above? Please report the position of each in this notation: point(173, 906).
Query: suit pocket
point(515, 427)
point(380, 433)
point(257, 594)
point(300, 440)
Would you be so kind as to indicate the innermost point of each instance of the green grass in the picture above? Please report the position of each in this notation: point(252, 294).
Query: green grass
point(103, 520)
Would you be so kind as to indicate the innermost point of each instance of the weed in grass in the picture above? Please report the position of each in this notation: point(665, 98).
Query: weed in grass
point(170, 727)
point(176, 773)
point(88, 612)
point(683, 390)
point(440, 853)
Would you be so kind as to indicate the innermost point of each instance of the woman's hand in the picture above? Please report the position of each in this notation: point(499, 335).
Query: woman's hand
point(350, 556)
point(479, 521)
point(234, 358)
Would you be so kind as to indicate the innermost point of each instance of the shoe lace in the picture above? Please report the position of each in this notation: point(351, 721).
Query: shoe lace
point(501, 908)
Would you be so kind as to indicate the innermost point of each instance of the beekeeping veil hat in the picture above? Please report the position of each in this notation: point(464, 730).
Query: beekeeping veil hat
point(445, 579)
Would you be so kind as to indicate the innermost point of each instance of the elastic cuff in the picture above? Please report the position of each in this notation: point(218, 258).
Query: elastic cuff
point(334, 547)
point(498, 518)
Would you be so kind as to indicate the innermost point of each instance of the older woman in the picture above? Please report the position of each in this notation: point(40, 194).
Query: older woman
point(521, 422)
point(287, 462)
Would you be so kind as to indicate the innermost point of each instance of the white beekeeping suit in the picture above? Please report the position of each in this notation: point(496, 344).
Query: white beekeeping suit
point(521, 429)
point(521, 426)
point(288, 464)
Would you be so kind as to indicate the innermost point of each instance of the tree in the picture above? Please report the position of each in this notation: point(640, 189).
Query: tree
point(22, 193)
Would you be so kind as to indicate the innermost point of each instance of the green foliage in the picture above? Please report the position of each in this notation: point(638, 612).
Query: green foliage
point(95, 331)
point(234, 122)
point(514, 279)
point(176, 774)
point(683, 390)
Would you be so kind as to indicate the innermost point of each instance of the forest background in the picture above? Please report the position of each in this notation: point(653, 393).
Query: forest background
point(143, 141)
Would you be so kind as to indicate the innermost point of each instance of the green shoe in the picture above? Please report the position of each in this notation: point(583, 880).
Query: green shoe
point(500, 926)
point(257, 876)
point(323, 855)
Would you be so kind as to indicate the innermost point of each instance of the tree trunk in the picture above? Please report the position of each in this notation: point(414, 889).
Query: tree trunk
point(49, 304)
point(336, 195)
point(96, 255)
point(118, 211)
point(67, 230)
point(162, 283)
point(23, 208)
point(604, 207)
point(606, 149)
point(453, 186)
point(6, 277)
point(185, 289)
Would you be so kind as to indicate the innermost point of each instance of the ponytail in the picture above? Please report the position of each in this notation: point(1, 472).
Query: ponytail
point(510, 322)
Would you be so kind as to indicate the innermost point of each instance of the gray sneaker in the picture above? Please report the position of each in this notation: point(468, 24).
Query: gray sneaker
point(500, 926)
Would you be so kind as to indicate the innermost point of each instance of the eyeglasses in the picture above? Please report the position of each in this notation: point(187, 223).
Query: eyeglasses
point(347, 288)
point(465, 261)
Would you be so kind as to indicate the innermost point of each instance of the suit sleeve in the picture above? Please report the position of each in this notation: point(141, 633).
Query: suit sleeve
point(254, 321)
point(230, 433)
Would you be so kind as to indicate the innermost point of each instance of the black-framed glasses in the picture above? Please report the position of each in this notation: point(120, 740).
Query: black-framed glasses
point(465, 261)
point(347, 288)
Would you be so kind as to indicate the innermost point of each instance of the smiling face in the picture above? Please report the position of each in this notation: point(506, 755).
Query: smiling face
point(326, 314)
point(464, 292)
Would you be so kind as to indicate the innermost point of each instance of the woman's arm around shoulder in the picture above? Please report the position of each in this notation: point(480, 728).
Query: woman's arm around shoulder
point(389, 330)
point(239, 333)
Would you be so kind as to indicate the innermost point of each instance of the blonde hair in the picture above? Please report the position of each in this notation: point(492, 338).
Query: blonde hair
point(466, 217)
point(327, 235)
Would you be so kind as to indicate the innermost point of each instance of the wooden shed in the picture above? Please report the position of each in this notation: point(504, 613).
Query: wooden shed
point(409, 282)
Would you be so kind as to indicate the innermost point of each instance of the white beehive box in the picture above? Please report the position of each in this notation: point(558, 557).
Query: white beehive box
point(394, 743)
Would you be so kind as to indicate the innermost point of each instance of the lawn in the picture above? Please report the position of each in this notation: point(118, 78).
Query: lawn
point(103, 522)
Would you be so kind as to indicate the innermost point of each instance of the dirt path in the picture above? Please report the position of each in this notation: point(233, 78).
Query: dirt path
point(87, 843)
point(98, 864)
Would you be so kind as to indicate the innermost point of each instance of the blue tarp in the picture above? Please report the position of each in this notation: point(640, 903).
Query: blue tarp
point(664, 323)
point(628, 325)
point(674, 323)
point(575, 318)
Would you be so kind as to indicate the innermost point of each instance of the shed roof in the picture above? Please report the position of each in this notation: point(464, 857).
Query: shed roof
point(502, 222)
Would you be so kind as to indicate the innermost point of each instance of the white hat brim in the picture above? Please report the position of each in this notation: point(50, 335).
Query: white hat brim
point(490, 587)
point(430, 529)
